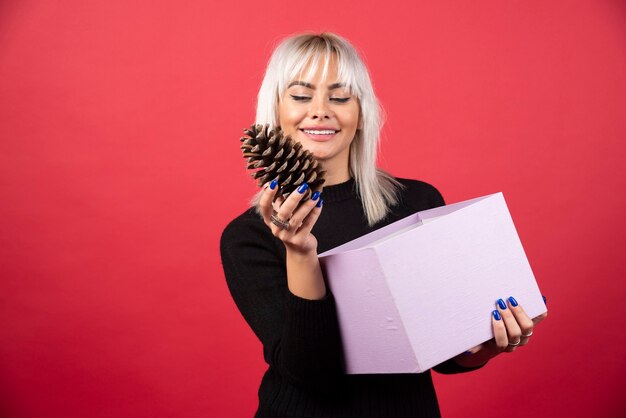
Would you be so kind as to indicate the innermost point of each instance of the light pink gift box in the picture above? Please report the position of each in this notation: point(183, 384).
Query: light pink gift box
point(421, 290)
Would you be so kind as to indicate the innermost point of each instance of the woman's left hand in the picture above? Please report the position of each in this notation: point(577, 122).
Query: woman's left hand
point(512, 328)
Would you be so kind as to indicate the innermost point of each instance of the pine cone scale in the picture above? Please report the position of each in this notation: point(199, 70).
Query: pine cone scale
point(272, 155)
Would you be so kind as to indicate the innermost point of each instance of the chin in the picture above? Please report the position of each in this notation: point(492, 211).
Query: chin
point(318, 151)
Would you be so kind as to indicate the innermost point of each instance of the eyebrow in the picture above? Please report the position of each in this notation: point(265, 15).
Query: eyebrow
point(311, 86)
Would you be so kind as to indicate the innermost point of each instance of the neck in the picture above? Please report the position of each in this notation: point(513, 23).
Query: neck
point(334, 178)
point(335, 173)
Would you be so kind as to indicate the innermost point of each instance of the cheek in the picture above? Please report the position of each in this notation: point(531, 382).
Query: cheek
point(351, 118)
point(288, 119)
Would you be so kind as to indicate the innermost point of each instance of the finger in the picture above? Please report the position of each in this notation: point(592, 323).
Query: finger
point(500, 336)
point(475, 349)
point(265, 202)
point(523, 320)
point(540, 318)
point(288, 207)
point(513, 330)
point(278, 201)
point(312, 216)
point(543, 316)
point(303, 210)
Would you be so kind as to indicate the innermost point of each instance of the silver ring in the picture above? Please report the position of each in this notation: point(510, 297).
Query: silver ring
point(279, 222)
point(515, 345)
point(527, 335)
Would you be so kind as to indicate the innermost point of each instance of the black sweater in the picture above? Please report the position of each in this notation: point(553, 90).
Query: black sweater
point(300, 337)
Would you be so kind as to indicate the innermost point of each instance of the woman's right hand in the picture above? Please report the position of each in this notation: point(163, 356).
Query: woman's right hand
point(292, 224)
point(289, 221)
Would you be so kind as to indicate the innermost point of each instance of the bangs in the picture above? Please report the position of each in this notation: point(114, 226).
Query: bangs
point(304, 63)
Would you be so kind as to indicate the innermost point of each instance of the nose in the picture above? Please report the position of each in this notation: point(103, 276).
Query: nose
point(319, 108)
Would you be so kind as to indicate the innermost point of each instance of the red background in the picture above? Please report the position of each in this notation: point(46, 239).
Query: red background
point(119, 125)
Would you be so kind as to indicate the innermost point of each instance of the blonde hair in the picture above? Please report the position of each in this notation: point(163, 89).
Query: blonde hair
point(377, 190)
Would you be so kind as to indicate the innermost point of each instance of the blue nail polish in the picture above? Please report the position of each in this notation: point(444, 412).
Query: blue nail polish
point(315, 196)
point(273, 184)
point(544, 299)
point(501, 304)
point(320, 203)
point(467, 353)
point(513, 301)
point(303, 188)
point(496, 315)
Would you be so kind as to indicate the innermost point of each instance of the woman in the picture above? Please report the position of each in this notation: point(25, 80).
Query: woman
point(317, 89)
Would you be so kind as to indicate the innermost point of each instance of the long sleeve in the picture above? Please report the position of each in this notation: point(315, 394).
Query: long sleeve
point(300, 337)
point(452, 367)
point(434, 199)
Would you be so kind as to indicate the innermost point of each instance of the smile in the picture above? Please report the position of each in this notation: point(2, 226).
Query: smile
point(320, 132)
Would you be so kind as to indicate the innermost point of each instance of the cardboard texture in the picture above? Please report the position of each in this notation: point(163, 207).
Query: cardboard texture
point(421, 290)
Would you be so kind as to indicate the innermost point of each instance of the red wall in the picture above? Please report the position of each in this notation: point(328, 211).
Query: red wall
point(120, 166)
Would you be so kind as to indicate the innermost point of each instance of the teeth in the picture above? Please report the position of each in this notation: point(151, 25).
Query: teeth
point(319, 132)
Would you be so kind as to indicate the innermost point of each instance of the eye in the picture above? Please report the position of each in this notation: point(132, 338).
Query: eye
point(299, 98)
point(340, 99)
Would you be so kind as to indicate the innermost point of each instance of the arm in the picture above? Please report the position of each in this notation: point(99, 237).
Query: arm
point(304, 274)
point(282, 296)
point(421, 196)
point(479, 356)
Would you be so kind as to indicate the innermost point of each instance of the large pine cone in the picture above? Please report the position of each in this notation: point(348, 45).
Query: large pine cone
point(272, 155)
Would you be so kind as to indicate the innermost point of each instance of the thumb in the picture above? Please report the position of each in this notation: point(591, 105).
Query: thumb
point(475, 349)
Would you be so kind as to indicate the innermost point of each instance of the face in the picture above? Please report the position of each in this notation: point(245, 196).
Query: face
point(323, 116)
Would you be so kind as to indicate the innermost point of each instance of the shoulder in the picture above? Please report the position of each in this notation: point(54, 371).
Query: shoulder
point(248, 226)
point(247, 243)
point(419, 195)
